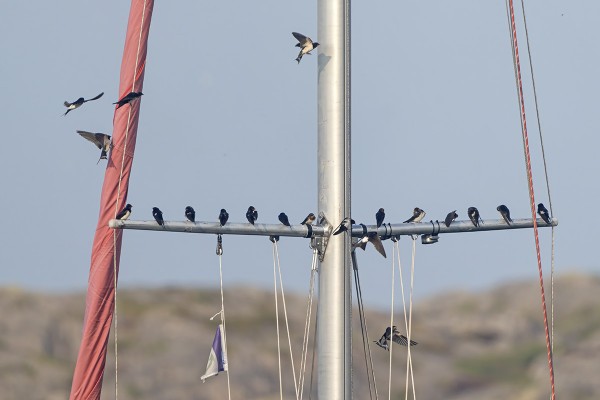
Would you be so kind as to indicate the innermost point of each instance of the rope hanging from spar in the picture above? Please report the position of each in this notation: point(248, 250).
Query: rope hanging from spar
point(365, 332)
point(117, 208)
point(276, 268)
point(517, 66)
point(311, 291)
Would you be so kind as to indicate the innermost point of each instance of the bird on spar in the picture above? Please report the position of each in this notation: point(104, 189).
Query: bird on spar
point(129, 97)
point(79, 102)
point(394, 335)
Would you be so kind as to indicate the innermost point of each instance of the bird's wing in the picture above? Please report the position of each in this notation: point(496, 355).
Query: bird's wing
point(403, 340)
point(96, 98)
point(299, 37)
point(92, 138)
point(378, 244)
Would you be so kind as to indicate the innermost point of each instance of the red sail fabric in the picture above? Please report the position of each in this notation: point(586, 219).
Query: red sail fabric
point(106, 250)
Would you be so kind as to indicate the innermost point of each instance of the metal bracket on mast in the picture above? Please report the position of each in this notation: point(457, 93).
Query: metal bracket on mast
point(320, 242)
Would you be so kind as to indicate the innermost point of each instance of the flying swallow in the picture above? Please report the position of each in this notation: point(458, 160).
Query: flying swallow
point(374, 238)
point(284, 219)
point(251, 214)
point(157, 214)
point(383, 342)
point(380, 216)
point(505, 212)
point(190, 214)
point(79, 102)
point(450, 218)
point(128, 98)
point(306, 45)
point(223, 217)
point(473, 214)
point(401, 339)
point(101, 140)
point(124, 213)
point(345, 225)
point(310, 218)
point(544, 213)
point(417, 216)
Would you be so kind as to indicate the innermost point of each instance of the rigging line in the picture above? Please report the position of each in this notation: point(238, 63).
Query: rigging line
point(287, 326)
point(116, 322)
point(539, 124)
point(364, 330)
point(391, 331)
point(409, 330)
point(311, 292)
point(531, 194)
point(277, 317)
point(396, 250)
point(223, 321)
point(312, 370)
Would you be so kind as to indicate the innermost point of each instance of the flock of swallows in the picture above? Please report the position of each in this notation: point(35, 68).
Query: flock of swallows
point(102, 140)
point(346, 224)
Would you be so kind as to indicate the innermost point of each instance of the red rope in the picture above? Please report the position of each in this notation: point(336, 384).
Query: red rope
point(531, 194)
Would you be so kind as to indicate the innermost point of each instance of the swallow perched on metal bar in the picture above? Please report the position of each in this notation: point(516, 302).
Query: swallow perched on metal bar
point(284, 219)
point(450, 218)
point(417, 216)
point(379, 217)
point(158, 216)
point(124, 213)
point(543, 211)
point(473, 214)
point(505, 212)
point(223, 217)
point(251, 215)
point(190, 214)
point(310, 218)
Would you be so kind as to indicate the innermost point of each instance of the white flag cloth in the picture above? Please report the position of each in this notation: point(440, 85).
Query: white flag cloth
point(217, 359)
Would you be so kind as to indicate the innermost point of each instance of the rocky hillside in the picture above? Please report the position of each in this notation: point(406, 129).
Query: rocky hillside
point(487, 345)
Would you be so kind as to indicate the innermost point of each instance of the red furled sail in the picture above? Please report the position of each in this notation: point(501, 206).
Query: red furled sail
point(106, 250)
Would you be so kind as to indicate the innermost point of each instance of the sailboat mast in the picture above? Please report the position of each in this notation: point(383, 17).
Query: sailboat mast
point(335, 301)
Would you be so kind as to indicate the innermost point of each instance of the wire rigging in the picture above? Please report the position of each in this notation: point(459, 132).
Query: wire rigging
point(517, 66)
point(365, 332)
point(303, 358)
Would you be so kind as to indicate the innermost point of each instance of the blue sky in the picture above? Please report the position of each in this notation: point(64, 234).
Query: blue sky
point(228, 120)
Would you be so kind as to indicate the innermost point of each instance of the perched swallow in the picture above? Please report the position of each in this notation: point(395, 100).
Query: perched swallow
point(223, 217)
point(128, 98)
point(79, 102)
point(284, 219)
point(505, 212)
point(157, 214)
point(345, 225)
point(190, 214)
point(417, 216)
point(124, 213)
point(473, 214)
point(450, 217)
point(251, 214)
point(380, 216)
point(310, 218)
point(374, 238)
point(306, 45)
point(101, 140)
point(544, 213)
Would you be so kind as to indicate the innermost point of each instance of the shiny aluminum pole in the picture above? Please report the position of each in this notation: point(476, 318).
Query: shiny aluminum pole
point(333, 103)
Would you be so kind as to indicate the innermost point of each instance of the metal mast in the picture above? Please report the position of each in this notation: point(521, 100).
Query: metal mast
point(334, 327)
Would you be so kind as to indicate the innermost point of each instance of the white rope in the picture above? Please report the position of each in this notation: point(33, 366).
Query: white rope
point(116, 325)
point(396, 249)
point(277, 317)
point(409, 329)
point(287, 326)
point(391, 332)
point(303, 358)
point(223, 322)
